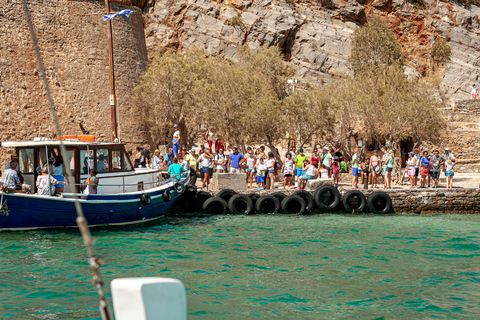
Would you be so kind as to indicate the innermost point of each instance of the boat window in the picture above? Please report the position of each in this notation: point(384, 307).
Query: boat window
point(116, 160)
point(26, 159)
point(128, 167)
point(87, 162)
point(102, 160)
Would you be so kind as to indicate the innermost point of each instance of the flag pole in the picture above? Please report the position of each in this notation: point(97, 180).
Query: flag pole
point(113, 98)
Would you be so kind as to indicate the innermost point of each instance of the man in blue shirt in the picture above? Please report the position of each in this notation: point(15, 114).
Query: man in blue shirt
point(175, 171)
point(234, 161)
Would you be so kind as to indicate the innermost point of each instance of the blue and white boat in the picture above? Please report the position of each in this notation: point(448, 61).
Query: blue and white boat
point(124, 195)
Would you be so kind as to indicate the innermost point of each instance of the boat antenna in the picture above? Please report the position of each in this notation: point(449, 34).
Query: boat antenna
point(113, 98)
point(94, 261)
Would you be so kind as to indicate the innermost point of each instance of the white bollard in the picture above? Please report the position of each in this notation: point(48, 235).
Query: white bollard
point(149, 299)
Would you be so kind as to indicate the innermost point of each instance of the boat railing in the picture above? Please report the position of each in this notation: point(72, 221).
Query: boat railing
point(121, 187)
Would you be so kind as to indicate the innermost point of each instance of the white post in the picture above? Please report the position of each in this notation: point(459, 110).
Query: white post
point(149, 299)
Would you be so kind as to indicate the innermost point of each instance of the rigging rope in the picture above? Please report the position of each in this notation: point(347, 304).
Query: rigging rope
point(94, 261)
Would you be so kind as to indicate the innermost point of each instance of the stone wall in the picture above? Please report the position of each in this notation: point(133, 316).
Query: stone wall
point(73, 43)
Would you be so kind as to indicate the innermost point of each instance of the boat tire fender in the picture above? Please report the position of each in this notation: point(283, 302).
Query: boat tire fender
point(294, 204)
point(179, 187)
point(307, 197)
point(267, 204)
point(351, 194)
point(166, 195)
point(145, 199)
point(215, 205)
point(327, 198)
point(226, 194)
point(240, 204)
point(379, 202)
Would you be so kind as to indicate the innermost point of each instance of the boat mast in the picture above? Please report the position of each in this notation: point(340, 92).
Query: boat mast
point(113, 98)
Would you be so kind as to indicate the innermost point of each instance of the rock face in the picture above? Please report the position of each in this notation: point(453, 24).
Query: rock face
point(73, 41)
point(315, 35)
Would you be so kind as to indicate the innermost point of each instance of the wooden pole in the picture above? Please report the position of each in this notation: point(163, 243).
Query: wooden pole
point(113, 98)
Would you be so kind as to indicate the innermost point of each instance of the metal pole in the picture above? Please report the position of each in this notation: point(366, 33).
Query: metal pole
point(113, 98)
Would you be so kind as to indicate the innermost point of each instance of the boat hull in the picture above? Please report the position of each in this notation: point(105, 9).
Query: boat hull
point(33, 211)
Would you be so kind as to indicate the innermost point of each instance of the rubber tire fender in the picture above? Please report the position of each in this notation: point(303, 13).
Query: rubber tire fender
point(307, 197)
point(373, 197)
point(280, 196)
point(292, 200)
point(167, 196)
point(318, 198)
point(354, 193)
point(240, 204)
point(179, 187)
point(215, 205)
point(145, 199)
point(200, 198)
point(267, 202)
point(254, 198)
point(226, 194)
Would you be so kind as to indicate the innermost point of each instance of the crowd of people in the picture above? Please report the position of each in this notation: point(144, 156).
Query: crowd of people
point(262, 168)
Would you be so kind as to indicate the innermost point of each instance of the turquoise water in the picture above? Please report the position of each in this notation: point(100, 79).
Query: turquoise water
point(260, 267)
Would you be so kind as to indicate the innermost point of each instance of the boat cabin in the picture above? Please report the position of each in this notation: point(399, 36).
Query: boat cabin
point(108, 159)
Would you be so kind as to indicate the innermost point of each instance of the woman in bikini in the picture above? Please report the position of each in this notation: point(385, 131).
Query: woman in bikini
point(375, 168)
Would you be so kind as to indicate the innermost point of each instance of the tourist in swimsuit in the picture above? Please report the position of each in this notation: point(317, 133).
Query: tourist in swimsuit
point(375, 168)
point(411, 161)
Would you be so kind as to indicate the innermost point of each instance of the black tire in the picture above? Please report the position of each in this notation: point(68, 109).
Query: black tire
point(267, 204)
point(354, 201)
point(327, 198)
point(200, 199)
point(215, 205)
point(167, 196)
point(279, 195)
point(379, 202)
point(186, 202)
point(226, 194)
point(240, 204)
point(293, 204)
point(179, 187)
point(254, 197)
point(307, 197)
point(145, 199)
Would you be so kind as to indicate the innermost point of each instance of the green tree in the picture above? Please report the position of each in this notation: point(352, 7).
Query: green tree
point(309, 113)
point(167, 93)
point(374, 45)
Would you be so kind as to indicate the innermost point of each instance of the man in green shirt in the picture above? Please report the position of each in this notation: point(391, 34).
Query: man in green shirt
point(355, 168)
point(299, 159)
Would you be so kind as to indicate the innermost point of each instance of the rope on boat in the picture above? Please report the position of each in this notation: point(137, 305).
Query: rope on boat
point(94, 261)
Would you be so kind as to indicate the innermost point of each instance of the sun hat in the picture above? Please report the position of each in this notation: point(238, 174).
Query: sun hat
point(192, 150)
point(301, 150)
point(175, 126)
point(325, 148)
point(412, 153)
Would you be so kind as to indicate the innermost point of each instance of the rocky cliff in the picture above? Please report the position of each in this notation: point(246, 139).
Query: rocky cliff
point(315, 35)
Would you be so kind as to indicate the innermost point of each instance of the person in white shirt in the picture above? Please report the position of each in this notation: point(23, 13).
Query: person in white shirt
point(220, 161)
point(206, 162)
point(474, 92)
point(156, 160)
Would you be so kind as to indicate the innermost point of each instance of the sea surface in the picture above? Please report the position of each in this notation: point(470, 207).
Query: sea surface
point(259, 267)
